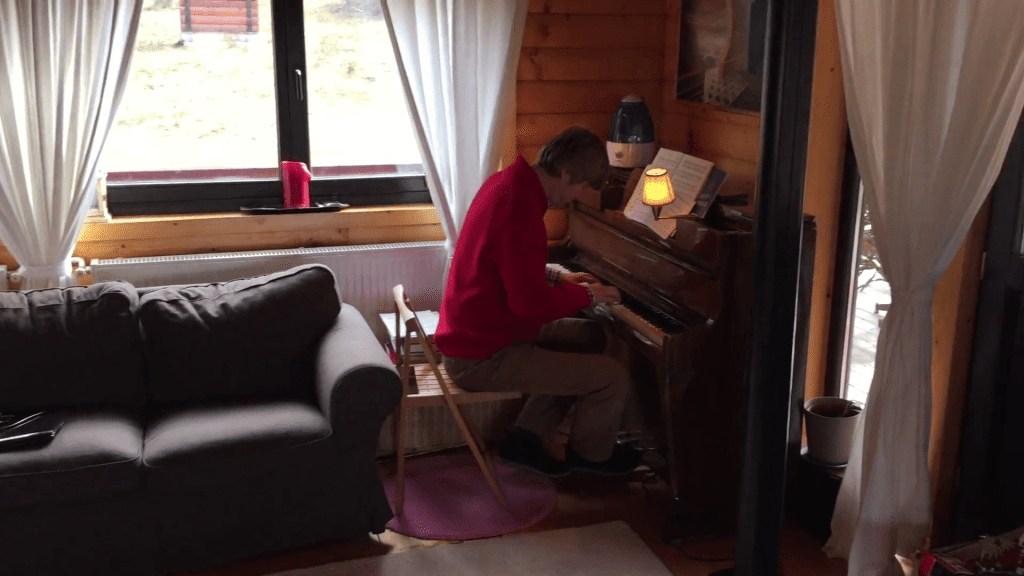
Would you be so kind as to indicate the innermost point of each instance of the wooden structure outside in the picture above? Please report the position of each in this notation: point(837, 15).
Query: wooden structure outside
point(229, 16)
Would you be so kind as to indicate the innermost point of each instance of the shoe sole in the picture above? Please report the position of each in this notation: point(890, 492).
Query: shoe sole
point(531, 469)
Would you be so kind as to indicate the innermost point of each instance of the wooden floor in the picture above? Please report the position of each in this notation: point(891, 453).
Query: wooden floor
point(582, 500)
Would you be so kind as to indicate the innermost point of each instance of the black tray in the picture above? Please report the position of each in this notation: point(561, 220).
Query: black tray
point(318, 207)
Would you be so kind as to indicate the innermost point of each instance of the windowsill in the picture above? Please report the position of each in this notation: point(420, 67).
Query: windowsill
point(137, 236)
point(94, 218)
point(134, 236)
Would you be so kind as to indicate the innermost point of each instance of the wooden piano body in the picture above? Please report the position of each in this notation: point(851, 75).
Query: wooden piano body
point(683, 330)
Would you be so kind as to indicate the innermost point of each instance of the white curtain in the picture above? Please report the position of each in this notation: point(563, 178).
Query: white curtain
point(933, 91)
point(458, 61)
point(63, 68)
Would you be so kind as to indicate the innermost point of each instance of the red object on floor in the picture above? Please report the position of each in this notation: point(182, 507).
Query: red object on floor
point(995, 555)
point(448, 498)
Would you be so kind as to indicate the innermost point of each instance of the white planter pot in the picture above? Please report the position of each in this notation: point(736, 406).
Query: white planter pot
point(830, 425)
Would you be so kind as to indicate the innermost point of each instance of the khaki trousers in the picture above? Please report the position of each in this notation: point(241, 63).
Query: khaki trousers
point(565, 363)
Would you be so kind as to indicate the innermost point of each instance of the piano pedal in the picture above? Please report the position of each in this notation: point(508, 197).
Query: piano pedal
point(655, 463)
point(637, 438)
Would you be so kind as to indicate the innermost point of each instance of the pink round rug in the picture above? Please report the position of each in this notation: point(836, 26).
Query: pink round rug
point(448, 498)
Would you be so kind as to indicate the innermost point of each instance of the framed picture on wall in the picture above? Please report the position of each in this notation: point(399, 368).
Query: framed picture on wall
point(721, 52)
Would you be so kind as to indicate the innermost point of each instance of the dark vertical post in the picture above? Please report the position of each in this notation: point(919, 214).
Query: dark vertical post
point(778, 230)
point(290, 72)
point(188, 15)
point(248, 16)
point(979, 505)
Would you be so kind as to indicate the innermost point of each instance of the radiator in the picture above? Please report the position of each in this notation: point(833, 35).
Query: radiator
point(432, 428)
point(366, 273)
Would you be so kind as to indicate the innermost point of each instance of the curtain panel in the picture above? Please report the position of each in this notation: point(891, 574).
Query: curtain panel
point(933, 92)
point(458, 61)
point(63, 69)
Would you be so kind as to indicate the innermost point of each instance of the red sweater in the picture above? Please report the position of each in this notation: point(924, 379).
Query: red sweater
point(497, 293)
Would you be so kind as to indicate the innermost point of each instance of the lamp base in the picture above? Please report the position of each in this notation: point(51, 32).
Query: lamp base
point(657, 211)
point(630, 155)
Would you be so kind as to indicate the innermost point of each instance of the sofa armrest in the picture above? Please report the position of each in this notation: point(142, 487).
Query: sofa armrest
point(357, 386)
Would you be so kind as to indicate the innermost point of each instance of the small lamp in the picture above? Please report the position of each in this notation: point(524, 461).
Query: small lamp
point(657, 191)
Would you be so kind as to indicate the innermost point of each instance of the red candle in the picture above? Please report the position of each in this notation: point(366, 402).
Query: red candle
point(295, 177)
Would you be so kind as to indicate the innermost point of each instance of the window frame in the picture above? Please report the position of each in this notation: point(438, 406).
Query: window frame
point(162, 197)
point(844, 278)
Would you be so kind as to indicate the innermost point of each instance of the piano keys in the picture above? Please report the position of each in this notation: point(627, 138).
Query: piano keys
point(684, 325)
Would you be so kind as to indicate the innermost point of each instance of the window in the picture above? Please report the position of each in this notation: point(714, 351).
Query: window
point(870, 303)
point(861, 294)
point(222, 91)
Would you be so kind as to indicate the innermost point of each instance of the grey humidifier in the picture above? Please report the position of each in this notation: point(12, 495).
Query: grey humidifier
point(631, 137)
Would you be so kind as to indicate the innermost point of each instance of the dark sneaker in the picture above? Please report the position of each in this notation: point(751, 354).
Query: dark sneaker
point(523, 449)
point(624, 459)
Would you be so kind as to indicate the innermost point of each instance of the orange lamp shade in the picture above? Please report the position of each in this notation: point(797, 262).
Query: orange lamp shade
point(657, 190)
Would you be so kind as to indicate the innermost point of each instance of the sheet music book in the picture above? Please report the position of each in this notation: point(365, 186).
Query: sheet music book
point(689, 175)
point(637, 211)
point(696, 183)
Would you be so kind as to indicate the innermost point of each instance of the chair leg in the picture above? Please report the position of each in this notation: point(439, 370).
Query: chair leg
point(406, 375)
point(399, 416)
point(477, 446)
point(470, 436)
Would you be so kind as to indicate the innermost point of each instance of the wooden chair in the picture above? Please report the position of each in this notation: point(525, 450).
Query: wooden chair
point(436, 391)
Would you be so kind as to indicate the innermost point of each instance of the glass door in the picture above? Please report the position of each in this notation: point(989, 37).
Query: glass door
point(871, 299)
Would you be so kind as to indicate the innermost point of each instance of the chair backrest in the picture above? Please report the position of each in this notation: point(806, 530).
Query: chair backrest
point(404, 313)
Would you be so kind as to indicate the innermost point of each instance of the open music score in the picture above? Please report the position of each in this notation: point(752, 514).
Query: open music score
point(689, 175)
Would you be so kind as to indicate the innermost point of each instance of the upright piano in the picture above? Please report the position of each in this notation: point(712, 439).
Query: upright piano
point(683, 330)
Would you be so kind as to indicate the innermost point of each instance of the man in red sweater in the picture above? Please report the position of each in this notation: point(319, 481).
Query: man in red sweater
point(505, 320)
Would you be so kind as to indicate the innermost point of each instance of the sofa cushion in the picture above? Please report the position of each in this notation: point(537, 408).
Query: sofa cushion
point(203, 446)
point(70, 347)
point(245, 338)
point(95, 453)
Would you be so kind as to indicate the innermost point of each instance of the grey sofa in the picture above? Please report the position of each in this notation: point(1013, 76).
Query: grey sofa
point(202, 424)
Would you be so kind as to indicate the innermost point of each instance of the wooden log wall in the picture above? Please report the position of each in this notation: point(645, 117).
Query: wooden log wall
point(579, 58)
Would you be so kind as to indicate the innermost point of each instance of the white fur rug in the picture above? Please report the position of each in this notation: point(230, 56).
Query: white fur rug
point(609, 549)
